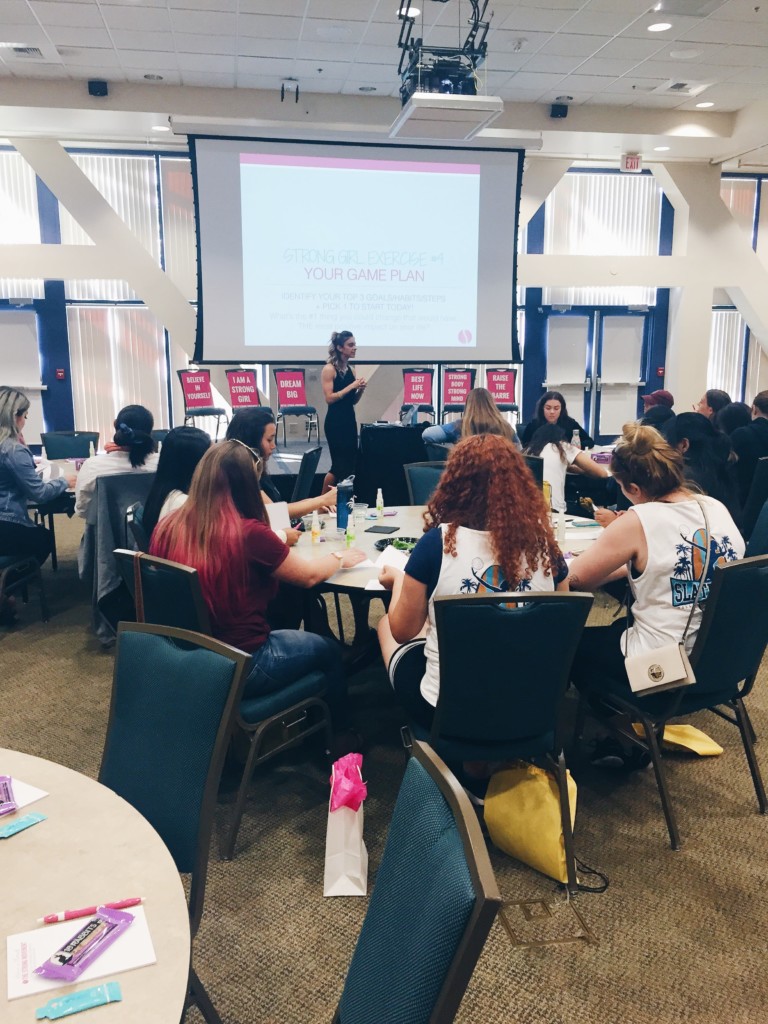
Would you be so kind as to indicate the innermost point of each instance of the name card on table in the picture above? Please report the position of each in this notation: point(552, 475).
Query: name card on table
point(501, 385)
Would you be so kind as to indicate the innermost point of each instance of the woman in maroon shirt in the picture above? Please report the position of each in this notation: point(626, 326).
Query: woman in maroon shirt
point(222, 531)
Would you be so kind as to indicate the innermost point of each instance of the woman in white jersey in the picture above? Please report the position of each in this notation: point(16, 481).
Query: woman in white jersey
point(487, 530)
point(660, 545)
point(558, 454)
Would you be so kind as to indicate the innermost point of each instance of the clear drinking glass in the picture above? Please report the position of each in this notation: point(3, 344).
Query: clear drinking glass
point(360, 511)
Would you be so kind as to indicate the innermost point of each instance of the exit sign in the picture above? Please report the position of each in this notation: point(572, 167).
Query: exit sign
point(632, 162)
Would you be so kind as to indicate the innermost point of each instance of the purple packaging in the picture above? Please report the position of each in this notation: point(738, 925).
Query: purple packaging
point(89, 942)
point(7, 802)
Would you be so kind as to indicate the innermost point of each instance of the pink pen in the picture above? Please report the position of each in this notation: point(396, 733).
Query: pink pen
point(68, 915)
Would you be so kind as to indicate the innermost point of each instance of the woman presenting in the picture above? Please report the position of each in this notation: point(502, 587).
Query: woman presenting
point(342, 391)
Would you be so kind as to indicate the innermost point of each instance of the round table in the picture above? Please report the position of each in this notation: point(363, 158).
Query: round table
point(93, 847)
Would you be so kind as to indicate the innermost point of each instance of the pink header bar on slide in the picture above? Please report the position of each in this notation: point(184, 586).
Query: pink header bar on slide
point(339, 164)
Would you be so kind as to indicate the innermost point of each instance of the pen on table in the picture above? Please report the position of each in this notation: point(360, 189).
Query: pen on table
point(68, 915)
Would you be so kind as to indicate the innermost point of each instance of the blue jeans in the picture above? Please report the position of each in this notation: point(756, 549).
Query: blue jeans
point(443, 433)
point(290, 654)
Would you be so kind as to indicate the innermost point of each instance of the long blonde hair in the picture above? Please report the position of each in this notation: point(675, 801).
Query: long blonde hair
point(643, 457)
point(482, 417)
point(12, 404)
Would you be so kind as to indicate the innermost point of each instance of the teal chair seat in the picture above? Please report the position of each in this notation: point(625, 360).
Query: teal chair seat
point(256, 709)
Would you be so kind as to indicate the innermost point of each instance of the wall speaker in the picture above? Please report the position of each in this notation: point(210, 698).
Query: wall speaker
point(558, 110)
point(98, 87)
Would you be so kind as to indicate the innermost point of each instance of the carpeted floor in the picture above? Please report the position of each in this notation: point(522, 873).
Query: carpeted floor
point(681, 935)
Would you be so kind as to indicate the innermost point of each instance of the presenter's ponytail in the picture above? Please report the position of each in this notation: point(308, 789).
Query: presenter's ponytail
point(338, 341)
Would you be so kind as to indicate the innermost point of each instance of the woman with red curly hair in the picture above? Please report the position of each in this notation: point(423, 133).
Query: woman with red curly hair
point(486, 530)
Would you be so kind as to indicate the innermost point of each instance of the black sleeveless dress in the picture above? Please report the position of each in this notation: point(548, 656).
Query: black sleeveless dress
point(341, 428)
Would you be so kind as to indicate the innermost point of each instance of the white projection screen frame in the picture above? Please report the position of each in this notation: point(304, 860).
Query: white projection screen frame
point(412, 249)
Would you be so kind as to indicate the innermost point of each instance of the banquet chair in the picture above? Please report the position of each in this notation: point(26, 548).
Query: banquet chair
point(536, 465)
point(758, 539)
point(286, 408)
point(518, 680)
point(437, 451)
point(191, 412)
point(450, 408)
point(422, 479)
point(431, 909)
point(174, 698)
point(756, 498)
point(725, 659)
point(134, 525)
point(426, 407)
point(69, 444)
point(306, 475)
point(158, 436)
point(170, 594)
point(16, 574)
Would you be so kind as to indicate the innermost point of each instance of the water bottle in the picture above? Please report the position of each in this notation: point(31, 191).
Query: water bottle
point(350, 533)
point(576, 438)
point(379, 504)
point(561, 529)
point(344, 503)
point(91, 450)
point(315, 529)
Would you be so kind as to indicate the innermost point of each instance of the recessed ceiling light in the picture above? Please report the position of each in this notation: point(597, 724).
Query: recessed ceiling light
point(367, 88)
point(11, 46)
point(153, 78)
point(161, 127)
point(703, 106)
point(684, 54)
point(660, 26)
point(661, 149)
point(409, 12)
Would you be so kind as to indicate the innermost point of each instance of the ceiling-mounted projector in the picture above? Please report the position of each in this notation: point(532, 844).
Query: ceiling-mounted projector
point(430, 115)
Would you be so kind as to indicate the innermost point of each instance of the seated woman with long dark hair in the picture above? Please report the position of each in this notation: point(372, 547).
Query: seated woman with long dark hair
point(487, 529)
point(182, 449)
point(223, 533)
point(551, 408)
point(559, 455)
point(132, 450)
point(710, 465)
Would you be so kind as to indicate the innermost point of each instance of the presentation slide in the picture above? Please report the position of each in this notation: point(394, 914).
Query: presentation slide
point(413, 250)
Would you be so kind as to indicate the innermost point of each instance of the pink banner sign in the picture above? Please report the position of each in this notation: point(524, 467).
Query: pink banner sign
point(290, 387)
point(456, 386)
point(417, 388)
point(196, 385)
point(243, 392)
point(501, 384)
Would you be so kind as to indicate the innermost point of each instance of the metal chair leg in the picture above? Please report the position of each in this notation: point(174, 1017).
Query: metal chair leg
point(742, 720)
point(228, 844)
point(285, 439)
point(565, 817)
point(201, 998)
point(661, 782)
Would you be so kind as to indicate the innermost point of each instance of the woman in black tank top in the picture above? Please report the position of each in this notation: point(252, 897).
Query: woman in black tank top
point(342, 390)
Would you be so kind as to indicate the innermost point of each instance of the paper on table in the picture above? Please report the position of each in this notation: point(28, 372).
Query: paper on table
point(27, 950)
point(392, 556)
point(278, 515)
point(25, 794)
point(374, 585)
point(365, 564)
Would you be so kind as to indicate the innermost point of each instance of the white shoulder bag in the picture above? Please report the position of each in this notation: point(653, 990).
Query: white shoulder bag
point(667, 667)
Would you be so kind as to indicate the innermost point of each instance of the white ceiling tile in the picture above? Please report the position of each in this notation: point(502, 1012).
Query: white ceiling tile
point(267, 83)
point(265, 66)
point(600, 66)
point(510, 42)
point(566, 5)
point(586, 83)
point(641, 86)
point(739, 93)
point(750, 76)
point(742, 56)
point(72, 36)
point(379, 34)
point(191, 43)
point(151, 19)
point(516, 94)
point(31, 35)
point(577, 46)
point(601, 23)
point(552, 64)
point(124, 39)
point(627, 48)
point(331, 69)
point(62, 13)
point(352, 88)
point(90, 57)
point(125, 3)
point(169, 78)
point(219, 64)
point(633, 7)
point(85, 72)
point(321, 85)
point(359, 10)
point(730, 32)
point(508, 62)
point(16, 11)
point(533, 19)
point(534, 82)
point(150, 60)
point(741, 10)
point(265, 26)
point(308, 50)
point(682, 27)
point(218, 23)
point(679, 70)
point(30, 69)
point(607, 99)
point(347, 32)
point(226, 6)
point(294, 8)
point(283, 49)
point(375, 55)
point(202, 78)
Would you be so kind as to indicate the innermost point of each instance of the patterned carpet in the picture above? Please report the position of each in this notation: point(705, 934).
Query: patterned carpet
point(681, 936)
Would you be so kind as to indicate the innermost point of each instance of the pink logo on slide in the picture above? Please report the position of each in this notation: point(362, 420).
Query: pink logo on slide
point(465, 337)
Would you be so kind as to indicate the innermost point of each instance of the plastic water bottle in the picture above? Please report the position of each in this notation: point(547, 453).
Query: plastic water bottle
point(343, 502)
point(315, 528)
point(379, 504)
point(91, 450)
point(350, 534)
point(560, 529)
point(576, 438)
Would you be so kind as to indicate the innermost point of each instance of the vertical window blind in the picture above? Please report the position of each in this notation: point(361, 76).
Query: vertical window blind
point(19, 219)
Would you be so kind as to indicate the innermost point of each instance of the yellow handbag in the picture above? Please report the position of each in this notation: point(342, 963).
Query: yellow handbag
point(522, 812)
